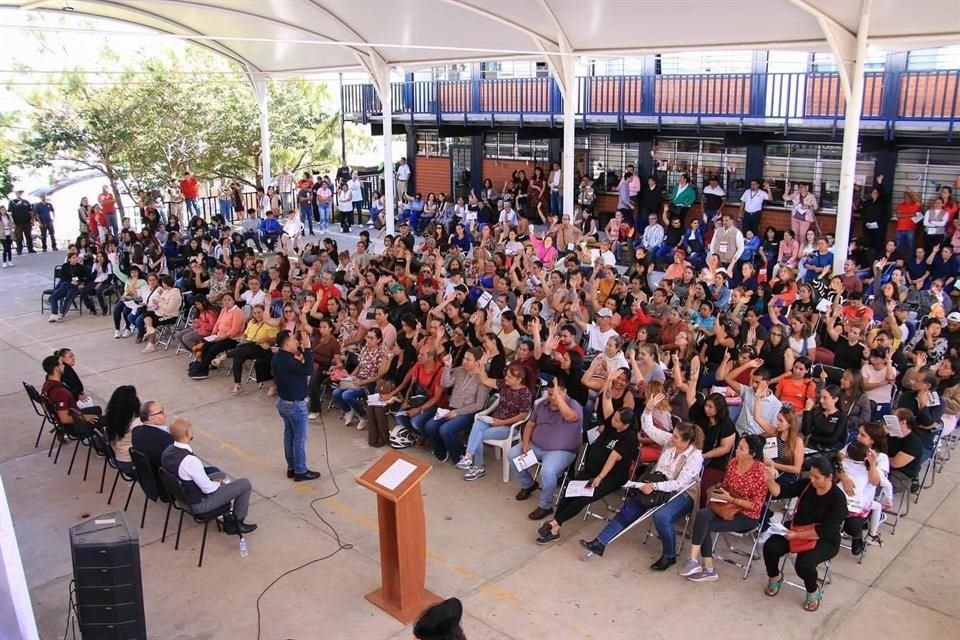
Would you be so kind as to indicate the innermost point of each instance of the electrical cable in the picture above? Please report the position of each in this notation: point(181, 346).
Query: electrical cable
point(341, 546)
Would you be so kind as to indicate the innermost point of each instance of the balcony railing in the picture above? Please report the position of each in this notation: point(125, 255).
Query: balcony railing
point(790, 98)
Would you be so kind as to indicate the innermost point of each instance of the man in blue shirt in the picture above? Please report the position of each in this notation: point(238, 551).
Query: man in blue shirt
point(44, 211)
point(270, 230)
point(944, 265)
point(292, 367)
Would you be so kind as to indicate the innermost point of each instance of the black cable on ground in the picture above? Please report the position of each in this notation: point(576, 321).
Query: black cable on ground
point(341, 546)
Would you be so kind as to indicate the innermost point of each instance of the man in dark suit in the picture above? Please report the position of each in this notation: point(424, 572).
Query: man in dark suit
point(152, 436)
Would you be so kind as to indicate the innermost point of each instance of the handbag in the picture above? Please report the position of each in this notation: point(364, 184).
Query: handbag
point(723, 510)
point(654, 498)
point(801, 546)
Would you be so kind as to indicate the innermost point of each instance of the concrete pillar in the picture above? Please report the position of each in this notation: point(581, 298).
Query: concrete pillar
point(263, 99)
point(569, 128)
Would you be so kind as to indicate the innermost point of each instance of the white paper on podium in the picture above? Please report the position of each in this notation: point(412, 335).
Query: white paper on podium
point(395, 474)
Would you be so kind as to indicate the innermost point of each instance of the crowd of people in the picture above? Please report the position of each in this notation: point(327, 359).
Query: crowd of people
point(719, 364)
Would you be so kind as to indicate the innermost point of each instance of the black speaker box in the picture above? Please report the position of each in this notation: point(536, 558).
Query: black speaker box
point(106, 572)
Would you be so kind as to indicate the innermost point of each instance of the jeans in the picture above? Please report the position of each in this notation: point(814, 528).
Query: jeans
point(121, 310)
point(46, 228)
point(556, 203)
point(552, 465)
point(483, 430)
point(324, 208)
point(905, 240)
point(444, 435)
point(95, 289)
point(418, 422)
point(663, 253)
point(62, 297)
point(194, 209)
point(294, 414)
point(112, 222)
point(708, 523)
point(286, 200)
point(7, 248)
point(350, 399)
point(270, 239)
point(226, 208)
point(255, 236)
point(664, 520)
point(306, 216)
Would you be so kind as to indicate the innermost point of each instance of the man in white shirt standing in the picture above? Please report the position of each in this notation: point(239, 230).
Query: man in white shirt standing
point(556, 190)
point(713, 199)
point(751, 206)
point(403, 177)
point(356, 193)
point(285, 188)
point(203, 493)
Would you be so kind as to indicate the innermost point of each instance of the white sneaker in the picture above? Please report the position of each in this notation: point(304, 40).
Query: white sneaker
point(60, 317)
point(150, 348)
point(116, 333)
point(465, 462)
point(313, 415)
point(125, 334)
point(52, 318)
point(348, 417)
point(362, 424)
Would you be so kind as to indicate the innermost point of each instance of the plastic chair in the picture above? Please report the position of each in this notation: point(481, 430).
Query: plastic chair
point(83, 430)
point(37, 402)
point(174, 488)
point(149, 481)
point(504, 445)
point(753, 534)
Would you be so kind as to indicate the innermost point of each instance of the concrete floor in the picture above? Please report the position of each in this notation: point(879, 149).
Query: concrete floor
point(480, 544)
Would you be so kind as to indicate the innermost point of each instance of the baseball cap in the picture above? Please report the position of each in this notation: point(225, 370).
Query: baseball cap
point(396, 288)
point(954, 317)
point(604, 313)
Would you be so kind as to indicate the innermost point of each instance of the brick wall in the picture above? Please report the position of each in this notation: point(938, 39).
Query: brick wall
point(499, 171)
point(433, 175)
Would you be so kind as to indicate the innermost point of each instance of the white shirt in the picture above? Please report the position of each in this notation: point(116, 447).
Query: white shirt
point(598, 339)
point(608, 258)
point(555, 179)
point(252, 299)
point(715, 191)
point(356, 188)
point(403, 172)
point(753, 200)
point(509, 217)
point(192, 469)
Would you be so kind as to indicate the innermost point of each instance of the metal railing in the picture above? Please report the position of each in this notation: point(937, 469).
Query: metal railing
point(787, 97)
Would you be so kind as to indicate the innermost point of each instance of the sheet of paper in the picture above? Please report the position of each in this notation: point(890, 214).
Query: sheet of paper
point(484, 300)
point(777, 528)
point(395, 474)
point(525, 461)
point(373, 400)
point(592, 435)
point(716, 499)
point(632, 484)
point(854, 505)
point(130, 304)
point(210, 338)
point(892, 426)
point(486, 419)
point(399, 413)
point(443, 413)
point(770, 448)
point(579, 489)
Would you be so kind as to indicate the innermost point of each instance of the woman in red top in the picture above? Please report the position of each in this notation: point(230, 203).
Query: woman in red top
point(906, 225)
point(744, 485)
point(629, 325)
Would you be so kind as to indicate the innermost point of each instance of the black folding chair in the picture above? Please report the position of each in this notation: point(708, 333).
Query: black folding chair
point(37, 402)
point(64, 432)
point(110, 459)
point(174, 488)
point(149, 481)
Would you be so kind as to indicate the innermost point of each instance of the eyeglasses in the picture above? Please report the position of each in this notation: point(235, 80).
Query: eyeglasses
point(157, 413)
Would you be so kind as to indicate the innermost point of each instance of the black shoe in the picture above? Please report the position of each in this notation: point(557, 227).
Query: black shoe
point(308, 475)
point(915, 486)
point(539, 513)
point(593, 546)
point(523, 494)
point(547, 536)
point(246, 527)
point(857, 546)
point(290, 473)
point(663, 563)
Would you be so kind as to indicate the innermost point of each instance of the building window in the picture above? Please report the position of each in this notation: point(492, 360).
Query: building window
point(925, 171)
point(701, 62)
point(940, 59)
point(603, 160)
point(815, 164)
point(824, 62)
point(429, 143)
point(700, 159)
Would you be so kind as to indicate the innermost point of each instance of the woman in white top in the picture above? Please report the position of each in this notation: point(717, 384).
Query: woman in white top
point(934, 225)
point(345, 207)
point(99, 284)
point(6, 236)
point(878, 378)
point(874, 438)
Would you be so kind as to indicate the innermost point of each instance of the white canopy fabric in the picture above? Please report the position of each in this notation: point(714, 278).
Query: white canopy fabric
point(293, 36)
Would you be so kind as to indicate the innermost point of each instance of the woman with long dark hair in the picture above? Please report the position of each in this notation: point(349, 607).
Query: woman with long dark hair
point(122, 409)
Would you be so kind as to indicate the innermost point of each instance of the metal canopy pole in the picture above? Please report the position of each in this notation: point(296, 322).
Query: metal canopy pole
point(263, 99)
point(382, 83)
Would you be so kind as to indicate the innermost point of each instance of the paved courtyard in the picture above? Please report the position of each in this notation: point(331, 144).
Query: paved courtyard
point(480, 543)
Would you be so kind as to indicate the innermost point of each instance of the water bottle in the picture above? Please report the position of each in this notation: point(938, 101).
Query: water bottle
point(243, 547)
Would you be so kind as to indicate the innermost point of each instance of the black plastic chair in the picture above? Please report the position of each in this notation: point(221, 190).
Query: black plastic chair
point(174, 488)
point(64, 432)
point(149, 481)
point(37, 402)
point(104, 447)
point(84, 432)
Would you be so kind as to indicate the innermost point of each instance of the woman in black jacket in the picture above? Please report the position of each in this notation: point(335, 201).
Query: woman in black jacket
point(826, 426)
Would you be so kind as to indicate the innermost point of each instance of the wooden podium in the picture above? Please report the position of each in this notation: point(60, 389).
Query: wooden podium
point(403, 543)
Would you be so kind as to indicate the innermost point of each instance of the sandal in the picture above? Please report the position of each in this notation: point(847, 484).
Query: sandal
point(812, 601)
point(773, 586)
point(236, 391)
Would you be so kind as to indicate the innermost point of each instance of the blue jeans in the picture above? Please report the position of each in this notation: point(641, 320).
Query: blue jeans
point(121, 310)
point(552, 465)
point(226, 208)
point(194, 208)
point(324, 209)
point(306, 216)
point(286, 200)
point(418, 422)
point(62, 297)
point(350, 399)
point(663, 253)
point(444, 434)
point(112, 222)
point(664, 520)
point(294, 414)
point(905, 242)
point(556, 203)
point(483, 431)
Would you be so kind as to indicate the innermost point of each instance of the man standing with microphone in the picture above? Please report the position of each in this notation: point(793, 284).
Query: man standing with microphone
point(292, 367)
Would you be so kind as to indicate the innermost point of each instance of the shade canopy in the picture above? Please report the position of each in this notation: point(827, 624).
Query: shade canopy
point(277, 37)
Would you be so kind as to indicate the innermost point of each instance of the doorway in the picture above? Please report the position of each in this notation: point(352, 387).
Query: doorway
point(460, 166)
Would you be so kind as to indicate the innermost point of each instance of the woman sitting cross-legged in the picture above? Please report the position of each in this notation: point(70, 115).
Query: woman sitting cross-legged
point(258, 338)
point(606, 466)
point(466, 398)
point(734, 505)
point(814, 533)
point(680, 463)
point(514, 406)
point(165, 311)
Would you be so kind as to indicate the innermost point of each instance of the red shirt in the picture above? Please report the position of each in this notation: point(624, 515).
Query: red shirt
point(190, 188)
point(324, 294)
point(905, 213)
point(107, 202)
point(562, 350)
point(751, 486)
point(61, 396)
point(630, 325)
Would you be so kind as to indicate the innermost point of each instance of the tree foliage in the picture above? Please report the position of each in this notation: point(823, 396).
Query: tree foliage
point(174, 113)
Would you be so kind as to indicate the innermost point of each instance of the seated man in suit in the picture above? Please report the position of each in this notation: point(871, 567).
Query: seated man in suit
point(203, 492)
point(152, 436)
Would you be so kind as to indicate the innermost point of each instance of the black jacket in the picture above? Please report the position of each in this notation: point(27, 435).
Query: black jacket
point(152, 442)
point(21, 211)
